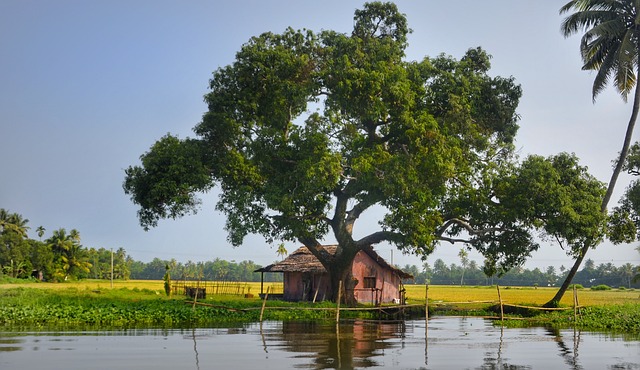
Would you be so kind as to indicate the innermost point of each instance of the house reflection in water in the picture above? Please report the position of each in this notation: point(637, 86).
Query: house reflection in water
point(345, 346)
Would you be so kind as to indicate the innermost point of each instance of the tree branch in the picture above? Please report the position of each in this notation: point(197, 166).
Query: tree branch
point(314, 246)
point(467, 226)
point(357, 210)
point(378, 237)
point(453, 240)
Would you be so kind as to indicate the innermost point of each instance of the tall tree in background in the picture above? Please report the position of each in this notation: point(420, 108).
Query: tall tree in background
point(464, 260)
point(70, 257)
point(307, 132)
point(610, 46)
point(40, 231)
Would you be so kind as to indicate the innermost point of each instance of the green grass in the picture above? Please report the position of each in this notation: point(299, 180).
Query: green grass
point(94, 304)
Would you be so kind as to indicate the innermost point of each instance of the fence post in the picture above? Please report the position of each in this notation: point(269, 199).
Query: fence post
point(338, 302)
point(426, 307)
point(264, 303)
point(575, 305)
point(501, 309)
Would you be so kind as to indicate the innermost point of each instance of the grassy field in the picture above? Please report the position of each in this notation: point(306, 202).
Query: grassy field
point(415, 293)
point(518, 295)
point(136, 303)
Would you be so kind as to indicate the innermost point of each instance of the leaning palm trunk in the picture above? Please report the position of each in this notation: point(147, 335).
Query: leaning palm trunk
point(605, 201)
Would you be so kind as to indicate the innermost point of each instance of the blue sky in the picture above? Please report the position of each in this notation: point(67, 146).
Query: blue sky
point(86, 87)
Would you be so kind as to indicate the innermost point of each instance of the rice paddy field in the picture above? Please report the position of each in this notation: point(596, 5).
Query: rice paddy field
point(140, 303)
point(415, 293)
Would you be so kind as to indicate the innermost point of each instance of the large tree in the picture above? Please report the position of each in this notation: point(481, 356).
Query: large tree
point(611, 46)
point(306, 132)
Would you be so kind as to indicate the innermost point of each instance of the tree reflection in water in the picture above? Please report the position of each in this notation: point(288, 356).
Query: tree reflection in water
point(347, 345)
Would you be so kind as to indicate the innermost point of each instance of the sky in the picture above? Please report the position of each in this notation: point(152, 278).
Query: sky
point(86, 87)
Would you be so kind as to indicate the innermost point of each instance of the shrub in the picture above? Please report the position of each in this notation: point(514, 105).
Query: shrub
point(601, 287)
point(578, 286)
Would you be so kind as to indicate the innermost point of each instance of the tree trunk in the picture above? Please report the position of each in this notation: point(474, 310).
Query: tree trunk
point(339, 267)
point(348, 284)
point(605, 201)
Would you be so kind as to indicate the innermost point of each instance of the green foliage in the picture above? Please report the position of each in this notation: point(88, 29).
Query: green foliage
point(624, 318)
point(625, 219)
point(558, 196)
point(14, 245)
point(306, 131)
point(70, 258)
point(172, 168)
point(118, 308)
point(601, 287)
point(124, 308)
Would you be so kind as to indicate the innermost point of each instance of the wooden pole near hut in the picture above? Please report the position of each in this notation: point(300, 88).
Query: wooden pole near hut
point(264, 303)
point(338, 302)
point(317, 288)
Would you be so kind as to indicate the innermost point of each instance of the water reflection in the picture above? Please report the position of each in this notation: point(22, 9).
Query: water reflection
point(447, 343)
point(10, 344)
point(349, 345)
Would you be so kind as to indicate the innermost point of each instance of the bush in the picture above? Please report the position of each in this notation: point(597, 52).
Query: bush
point(601, 287)
point(577, 286)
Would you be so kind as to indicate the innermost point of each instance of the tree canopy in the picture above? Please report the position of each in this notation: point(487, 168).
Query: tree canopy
point(306, 131)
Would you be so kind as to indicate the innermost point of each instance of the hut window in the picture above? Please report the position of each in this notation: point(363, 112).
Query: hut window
point(369, 282)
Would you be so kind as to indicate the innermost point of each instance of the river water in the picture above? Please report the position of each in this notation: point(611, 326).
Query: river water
point(451, 343)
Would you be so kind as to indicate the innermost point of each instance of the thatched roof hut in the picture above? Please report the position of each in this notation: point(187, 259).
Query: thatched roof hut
point(305, 277)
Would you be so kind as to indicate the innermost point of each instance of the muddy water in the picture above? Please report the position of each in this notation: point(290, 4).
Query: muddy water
point(451, 343)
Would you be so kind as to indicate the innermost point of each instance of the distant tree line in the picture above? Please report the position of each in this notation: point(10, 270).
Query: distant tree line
point(472, 274)
point(61, 256)
point(217, 269)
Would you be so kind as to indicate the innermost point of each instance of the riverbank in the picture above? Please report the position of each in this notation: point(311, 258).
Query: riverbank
point(94, 304)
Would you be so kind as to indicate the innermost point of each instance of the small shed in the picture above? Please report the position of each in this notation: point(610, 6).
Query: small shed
point(305, 279)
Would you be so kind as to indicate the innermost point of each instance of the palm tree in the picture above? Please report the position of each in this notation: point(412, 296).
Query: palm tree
point(70, 257)
point(40, 230)
point(4, 216)
point(610, 46)
point(282, 251)
point(13, 222)
point(464, 259)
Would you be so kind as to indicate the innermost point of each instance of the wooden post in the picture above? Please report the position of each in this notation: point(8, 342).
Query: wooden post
point(426, 307)
point(501, 309)
point(264, 303)
point(195, 294)
point(575, 305)
point(317, 288)
point(338, 301)
point(111, 268)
